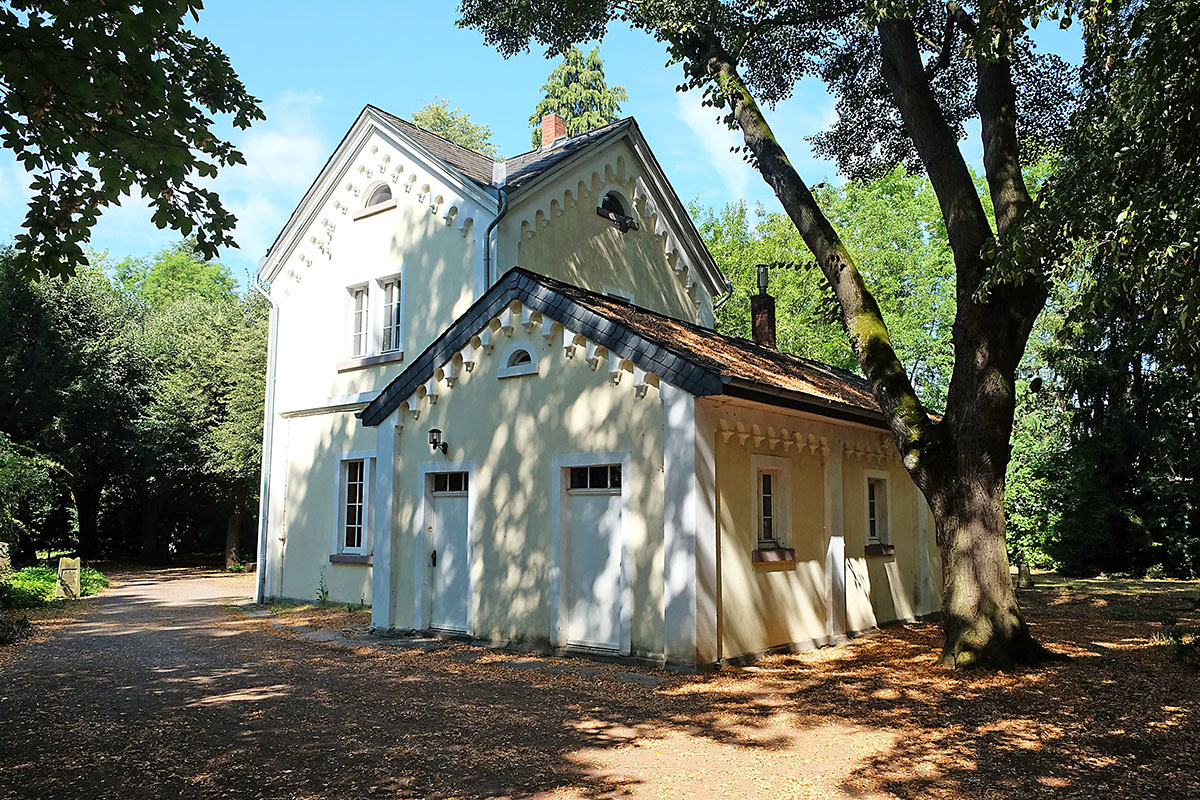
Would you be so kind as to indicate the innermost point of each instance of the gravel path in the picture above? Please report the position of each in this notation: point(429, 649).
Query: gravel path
point(160, 690)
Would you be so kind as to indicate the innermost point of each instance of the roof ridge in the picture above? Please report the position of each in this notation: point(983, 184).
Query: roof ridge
point(612, 124)
point(429, 132)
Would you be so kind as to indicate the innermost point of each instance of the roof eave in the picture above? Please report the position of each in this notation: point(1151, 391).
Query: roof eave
point(803, 401)
point(337, 162)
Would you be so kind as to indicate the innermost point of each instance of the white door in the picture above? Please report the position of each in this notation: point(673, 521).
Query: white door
point(448, 564)
point(592, 557)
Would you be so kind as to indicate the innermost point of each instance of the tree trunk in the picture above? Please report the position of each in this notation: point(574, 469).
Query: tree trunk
point(982, 622)
point(233, 537)
point(151, 544)
point(959, 462)
point(87, 507)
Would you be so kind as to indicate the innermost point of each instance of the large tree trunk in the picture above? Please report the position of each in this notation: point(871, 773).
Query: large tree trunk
point(959, 463)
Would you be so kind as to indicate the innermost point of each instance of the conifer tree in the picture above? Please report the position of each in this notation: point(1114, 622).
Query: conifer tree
point(577, 92)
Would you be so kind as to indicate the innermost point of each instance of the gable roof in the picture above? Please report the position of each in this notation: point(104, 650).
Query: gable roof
point(474, 166)
point(473, 171)
point(693, 358)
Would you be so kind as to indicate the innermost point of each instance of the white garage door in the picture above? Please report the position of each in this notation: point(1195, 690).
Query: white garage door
point(592, 556)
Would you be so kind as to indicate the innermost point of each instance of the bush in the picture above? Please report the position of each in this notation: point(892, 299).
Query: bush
point(34, 586)
point(14, 627)
point(1186, 644)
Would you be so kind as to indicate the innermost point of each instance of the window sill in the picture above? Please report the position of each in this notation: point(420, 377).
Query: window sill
point(773, 555)
point(349, 558)
point(362, 362)
point(880, 550)
point(371, 211)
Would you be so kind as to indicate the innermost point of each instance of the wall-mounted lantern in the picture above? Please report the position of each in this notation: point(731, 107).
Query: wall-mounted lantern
point(435, 440)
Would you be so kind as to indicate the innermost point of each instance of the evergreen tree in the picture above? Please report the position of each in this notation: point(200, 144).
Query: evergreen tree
point(577, 92)
point(456, 126)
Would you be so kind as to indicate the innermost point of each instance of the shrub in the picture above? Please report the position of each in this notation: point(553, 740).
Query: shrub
point(14, 627)
point(1186, 644)
point(34, 586)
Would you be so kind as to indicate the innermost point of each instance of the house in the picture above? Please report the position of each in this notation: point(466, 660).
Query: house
point(562, 453)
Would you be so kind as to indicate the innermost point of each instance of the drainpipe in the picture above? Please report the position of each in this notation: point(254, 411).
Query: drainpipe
point(728, 294)
point(499, 179)
point(264, 486)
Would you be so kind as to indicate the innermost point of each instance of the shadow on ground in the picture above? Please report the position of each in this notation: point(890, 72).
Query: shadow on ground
point(158, 691)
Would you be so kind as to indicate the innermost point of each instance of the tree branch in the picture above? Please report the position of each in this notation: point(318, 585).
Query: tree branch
point(966, 223)
point(996, 101)
point(861, 316)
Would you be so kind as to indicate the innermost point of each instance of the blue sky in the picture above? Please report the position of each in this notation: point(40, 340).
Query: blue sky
point(315, 65)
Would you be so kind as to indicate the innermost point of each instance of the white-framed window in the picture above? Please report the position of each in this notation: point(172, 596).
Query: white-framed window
point(518, 359)
point(355, 482)
point(392, 317)
point(878, 519)
point(449, 483)
point(360, 330)
point(772, 501)
point(598, 479)
point(379, 195)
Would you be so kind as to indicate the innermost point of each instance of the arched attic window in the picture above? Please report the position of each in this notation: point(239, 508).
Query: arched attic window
point(381, 195)
point(613, 207)
point(379, 198)
point(519, 359)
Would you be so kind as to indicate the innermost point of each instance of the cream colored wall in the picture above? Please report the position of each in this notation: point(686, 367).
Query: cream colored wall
point(436, 258)
point(764, 606)
point(314, 447)
point(558, 233)
point(511, 429)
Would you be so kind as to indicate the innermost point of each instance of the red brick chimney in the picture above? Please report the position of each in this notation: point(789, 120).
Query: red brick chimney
point(553, 126)
point(762, 312)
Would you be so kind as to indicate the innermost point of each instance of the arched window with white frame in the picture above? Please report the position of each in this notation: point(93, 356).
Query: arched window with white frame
point(518, 359)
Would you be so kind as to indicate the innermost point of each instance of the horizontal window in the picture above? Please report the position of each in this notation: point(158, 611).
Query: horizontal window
point(449, 482)
point(600, 477)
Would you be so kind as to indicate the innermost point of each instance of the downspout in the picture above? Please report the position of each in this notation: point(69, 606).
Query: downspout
point(728, 294)
point(499, 179)
point(264, 486)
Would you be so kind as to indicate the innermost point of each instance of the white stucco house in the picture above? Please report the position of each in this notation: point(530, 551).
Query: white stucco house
point(497, 408)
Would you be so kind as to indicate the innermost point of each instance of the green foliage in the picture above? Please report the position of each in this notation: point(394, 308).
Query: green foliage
point(577, 92)
point(33, 586)
point(174, 274)
point(27, 491)
point(894, 229)
point(13, 627)
point(148, 390)
point(322, 590)
point(97, 98)
point(456, 125)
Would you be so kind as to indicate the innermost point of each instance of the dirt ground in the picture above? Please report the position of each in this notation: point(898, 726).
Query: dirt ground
point(158, 689)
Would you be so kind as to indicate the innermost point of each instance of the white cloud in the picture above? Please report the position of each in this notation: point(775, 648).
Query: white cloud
point(715, 140)
point(283, 155)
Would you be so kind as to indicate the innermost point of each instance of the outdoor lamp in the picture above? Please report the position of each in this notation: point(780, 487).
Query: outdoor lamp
point(435, 440)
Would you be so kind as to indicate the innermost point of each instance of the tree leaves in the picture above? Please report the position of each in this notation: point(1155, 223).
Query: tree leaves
point(577, 92)
point(98, 98)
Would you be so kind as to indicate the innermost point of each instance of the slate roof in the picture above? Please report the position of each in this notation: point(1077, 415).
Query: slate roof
point(475, 166)
point(693, 358)
point(521, 169)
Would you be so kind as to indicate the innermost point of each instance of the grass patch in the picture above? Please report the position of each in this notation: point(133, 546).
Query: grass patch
point(33, 587)
point(1122, 612)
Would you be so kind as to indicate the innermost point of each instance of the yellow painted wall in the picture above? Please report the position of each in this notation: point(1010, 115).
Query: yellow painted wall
point(763, 606)
point(561, 235)
point(511, 428)
point(314, 447)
